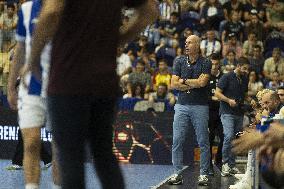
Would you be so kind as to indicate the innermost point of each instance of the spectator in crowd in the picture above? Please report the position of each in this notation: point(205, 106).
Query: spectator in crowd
point(161, 45)
point(253, 6)
point(170, 30)
point(2, 7)
point(137, 91)
point(143, 46)
point(184, 35)
point(280, 92)
point(274, 63)
point(150, 62)
point(136, 48)
point(198, 5)
point(229, 62)
point(255, 25)
point(4, 68)
point(254, 85)
point(274, 39)
point(139, 76)
point(166, 8)
point(211, 14)
point(123, 61)
point(8, 24)
point(256, 61)
point(190, 77)
point(275, 82)
point(228, 7)
point(274, 14)
point(233, 5)
point(231, 91)
point(163, 75)
point(210, 45)
point(233, 26)
point(214, 123)
point(232, 44)
point(167, 52)
point(162, 95)
point(123, 68)
point(179, 52)
point(249, 44)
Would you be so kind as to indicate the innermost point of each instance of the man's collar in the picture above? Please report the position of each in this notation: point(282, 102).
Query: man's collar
point(192, 62)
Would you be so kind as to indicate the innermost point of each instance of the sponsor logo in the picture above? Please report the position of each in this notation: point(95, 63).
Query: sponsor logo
point(10, 133)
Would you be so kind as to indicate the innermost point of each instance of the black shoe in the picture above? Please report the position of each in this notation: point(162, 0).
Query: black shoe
point(175, 180)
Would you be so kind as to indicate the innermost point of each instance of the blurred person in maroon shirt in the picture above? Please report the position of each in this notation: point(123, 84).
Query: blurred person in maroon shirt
point(83, 84)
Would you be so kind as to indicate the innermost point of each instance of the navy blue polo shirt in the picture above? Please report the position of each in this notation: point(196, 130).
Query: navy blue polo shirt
point(233, 88)
point(197, 96)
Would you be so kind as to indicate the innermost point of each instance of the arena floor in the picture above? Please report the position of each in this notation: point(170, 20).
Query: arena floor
point(136, 176)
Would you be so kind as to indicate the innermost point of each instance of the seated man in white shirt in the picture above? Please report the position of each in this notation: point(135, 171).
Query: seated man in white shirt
point(210, 45)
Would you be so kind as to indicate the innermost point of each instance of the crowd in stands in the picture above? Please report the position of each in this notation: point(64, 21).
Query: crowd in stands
point(232, 29)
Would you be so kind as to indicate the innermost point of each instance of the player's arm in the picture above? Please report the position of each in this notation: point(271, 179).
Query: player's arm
point(146, 14)
point(17, 64)
point(46, 26)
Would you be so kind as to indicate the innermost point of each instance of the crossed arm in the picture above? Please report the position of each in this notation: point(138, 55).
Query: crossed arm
point(184, 85)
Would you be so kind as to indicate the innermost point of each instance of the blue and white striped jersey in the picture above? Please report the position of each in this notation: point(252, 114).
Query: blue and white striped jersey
point(28, 15)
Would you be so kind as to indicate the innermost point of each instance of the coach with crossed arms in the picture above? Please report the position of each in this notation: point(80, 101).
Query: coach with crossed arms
point(190, 76)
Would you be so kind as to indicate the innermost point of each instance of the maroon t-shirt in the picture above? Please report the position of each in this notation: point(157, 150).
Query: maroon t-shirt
point(83, 60)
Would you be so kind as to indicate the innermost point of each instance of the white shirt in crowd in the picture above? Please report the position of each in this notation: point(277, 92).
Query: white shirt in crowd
point(123, 63)
point(210, 47)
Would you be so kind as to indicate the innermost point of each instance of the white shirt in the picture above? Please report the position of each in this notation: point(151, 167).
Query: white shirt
point(123, 63)
point(210, 47)
point(28, 15)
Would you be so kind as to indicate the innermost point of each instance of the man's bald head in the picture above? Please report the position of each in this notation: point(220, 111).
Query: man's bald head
point(194, 38)
point(192, 45)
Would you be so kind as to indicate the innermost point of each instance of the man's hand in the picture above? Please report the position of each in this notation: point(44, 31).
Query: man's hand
point(181, 81)
point(232, 103)
point(215, 98)
point(249, 140)
point(183, 87)
point(274, 136)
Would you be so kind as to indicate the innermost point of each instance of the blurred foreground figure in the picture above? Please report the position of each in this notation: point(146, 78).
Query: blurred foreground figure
point(83, 85)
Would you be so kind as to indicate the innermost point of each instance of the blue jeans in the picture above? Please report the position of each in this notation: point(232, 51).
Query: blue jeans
point(231, 125)
point(198, 116)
